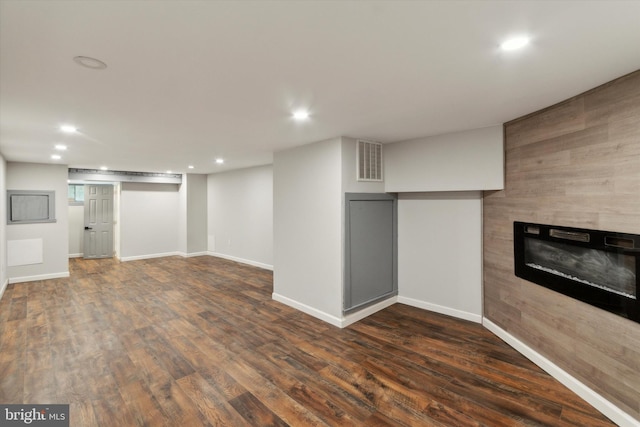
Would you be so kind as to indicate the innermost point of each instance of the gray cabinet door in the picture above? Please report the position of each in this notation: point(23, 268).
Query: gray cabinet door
point(370, 249)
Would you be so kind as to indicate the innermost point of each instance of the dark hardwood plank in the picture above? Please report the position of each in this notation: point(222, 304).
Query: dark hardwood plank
point(212, 404)
point(199, 341)
point(255, 412)
point(142, 405)
point(332, 404)
point(170, 358)
point(275, 399)
point(112, 410)
point(177, 407)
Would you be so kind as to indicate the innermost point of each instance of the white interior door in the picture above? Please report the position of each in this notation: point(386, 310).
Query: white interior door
point(98, 221)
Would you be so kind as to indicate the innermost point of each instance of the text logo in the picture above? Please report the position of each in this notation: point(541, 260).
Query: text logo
point(34, 415)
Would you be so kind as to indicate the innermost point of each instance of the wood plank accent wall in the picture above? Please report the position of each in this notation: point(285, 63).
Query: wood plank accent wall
point(574, 164)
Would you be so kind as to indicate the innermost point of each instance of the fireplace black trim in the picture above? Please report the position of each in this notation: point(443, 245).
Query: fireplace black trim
point(621, 243)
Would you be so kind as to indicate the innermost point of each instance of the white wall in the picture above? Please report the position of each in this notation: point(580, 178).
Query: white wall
point(4, 278)
point(54, 236)
point(240, 215)
point(440, 252)
point(307, 209)
point(117, 191)
point(192, 215)
point(439, 180)
point(76, 230)
point(182, 216)
point(148, 220)
point(462, 161)
point(196, 213)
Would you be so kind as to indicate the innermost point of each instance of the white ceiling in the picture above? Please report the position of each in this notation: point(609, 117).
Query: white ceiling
point(189, 81)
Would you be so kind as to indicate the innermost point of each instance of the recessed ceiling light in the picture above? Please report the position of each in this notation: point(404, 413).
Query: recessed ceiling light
point(88, 62)
point(301, 115)
point(169, 171)
point(56, 157)
point(219, 161)
point(68, 129)
point(60, 147)
point(515, 43)
point(190, 166)
point(103, 168)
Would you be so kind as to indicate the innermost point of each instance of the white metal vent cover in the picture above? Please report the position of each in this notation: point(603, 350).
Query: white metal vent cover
point(369, 160)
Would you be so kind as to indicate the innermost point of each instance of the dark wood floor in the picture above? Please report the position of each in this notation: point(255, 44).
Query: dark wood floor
point(199, 341)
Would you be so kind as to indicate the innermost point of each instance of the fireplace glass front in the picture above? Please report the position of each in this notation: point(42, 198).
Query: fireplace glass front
point(597, 267)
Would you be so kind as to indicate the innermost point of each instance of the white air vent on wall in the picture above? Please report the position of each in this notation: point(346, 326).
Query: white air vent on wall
point(369, 161)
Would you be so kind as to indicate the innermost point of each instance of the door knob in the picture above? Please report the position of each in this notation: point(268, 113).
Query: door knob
point(88, 228)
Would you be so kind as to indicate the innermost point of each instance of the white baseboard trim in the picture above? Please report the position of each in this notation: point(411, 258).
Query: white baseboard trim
point(38, 277)
point(3, 287)
point(352, 318)
point(242, 260)
point(333, 320)
point(607, 408)
point(149, 256)
point(76, 255)
point(477, 318)
point(193, 254)
point(340, 322)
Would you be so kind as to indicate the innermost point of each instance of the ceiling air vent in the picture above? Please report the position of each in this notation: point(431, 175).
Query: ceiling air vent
point(369, 161)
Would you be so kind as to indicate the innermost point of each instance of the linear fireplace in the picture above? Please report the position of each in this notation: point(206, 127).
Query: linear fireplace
point(597, 267)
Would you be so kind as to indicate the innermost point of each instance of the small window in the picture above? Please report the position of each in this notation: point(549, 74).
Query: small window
point(28, 206)
point(76, 194)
